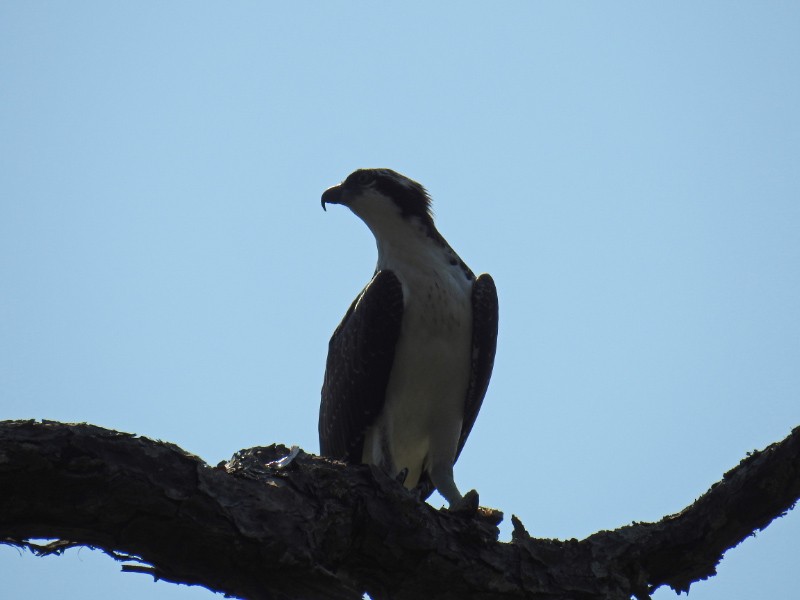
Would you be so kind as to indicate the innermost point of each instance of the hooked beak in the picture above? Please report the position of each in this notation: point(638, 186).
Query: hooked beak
point(333, 195)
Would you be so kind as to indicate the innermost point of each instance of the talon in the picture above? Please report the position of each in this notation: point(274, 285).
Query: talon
point(467, 506)
point(401, 476)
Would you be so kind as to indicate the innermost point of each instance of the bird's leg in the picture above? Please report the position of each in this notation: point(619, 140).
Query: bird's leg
point(423, 489)
point(442, 478)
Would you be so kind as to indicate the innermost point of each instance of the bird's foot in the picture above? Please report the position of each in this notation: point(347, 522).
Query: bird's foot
point(467, 506)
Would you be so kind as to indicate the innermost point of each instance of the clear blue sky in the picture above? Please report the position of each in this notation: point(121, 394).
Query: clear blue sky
point(628, 172)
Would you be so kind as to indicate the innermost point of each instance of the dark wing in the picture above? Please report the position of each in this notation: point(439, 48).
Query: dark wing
point(484, 344)
point(360, 357)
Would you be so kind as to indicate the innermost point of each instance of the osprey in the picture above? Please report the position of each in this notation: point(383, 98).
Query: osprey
point(409, 364)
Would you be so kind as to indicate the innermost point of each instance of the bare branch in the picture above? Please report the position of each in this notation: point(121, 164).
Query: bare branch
point(319, 529)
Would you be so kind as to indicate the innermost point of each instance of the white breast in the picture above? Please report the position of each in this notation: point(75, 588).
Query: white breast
point(421, 422)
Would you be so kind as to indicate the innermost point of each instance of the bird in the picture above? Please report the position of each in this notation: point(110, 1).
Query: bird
point(409, 365)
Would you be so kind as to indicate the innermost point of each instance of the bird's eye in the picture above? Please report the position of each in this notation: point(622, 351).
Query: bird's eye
point(364, 178)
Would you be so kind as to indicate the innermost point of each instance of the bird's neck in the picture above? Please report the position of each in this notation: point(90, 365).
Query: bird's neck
point(407, 241)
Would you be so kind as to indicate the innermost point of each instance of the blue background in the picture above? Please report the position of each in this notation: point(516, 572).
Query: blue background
point(628, 172)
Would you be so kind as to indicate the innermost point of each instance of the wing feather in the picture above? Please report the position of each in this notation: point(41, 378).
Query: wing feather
point(360, 356)
point(484, 345)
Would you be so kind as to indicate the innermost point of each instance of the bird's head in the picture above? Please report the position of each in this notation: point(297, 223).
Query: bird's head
point(383, 199)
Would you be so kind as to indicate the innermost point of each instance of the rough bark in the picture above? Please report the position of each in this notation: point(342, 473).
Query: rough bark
point(320, 529)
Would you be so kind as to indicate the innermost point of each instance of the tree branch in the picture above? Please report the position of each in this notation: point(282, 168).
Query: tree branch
point(320, 529)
